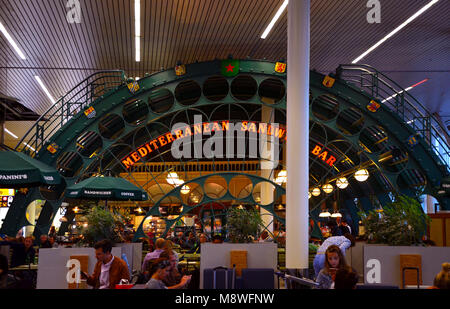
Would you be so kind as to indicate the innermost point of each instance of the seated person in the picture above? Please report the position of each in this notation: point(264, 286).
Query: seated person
point(44, 242)
point(217, 239)
point(159, 245)
point(168, 246)
point(173, 276)
point(158, 269)
point(109, 270)
point(334, 261)
point(346, 279)
point(190, 242)
point(179, 240)
point(442, 279)
point(23, 253)
point(201, 240)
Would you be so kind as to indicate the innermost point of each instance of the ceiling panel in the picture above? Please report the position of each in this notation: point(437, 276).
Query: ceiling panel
point(199, 30)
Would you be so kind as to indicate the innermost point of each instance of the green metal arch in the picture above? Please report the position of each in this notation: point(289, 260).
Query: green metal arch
point(279, 191)
point(349, 96)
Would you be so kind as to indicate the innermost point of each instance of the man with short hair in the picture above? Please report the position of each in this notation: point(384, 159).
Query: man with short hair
point(44, 242)
point(344, 227)
point(109, 270)
point(23, 253)
point(155, 254)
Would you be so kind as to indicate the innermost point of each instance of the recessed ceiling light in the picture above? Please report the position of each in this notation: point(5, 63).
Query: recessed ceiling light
point(10, 133)
point(417, 14)
point(11, 41)
point(137, 24)
point(44, 88)
point(275, 19)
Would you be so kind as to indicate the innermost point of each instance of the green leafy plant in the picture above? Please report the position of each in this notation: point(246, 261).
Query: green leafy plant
point(101, 224)
point(401, 223)
point(243, 225)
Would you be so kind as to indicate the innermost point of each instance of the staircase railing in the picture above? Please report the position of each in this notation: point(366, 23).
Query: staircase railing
point(410, 110)
point(77, 99)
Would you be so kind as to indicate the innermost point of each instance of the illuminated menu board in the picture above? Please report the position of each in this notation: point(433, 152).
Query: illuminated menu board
point(6, 196)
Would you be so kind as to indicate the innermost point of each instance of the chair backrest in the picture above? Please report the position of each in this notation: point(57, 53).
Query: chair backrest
point(208, 278)
point(258, 278)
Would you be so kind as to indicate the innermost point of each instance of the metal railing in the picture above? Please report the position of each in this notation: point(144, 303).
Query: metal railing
point(77, 99)
point(409, 109)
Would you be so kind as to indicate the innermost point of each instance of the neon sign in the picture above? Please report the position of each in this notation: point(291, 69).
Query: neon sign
point(199, 129)
point(323, 155)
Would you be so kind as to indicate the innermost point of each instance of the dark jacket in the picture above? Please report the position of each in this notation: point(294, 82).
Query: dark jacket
point(20, 256)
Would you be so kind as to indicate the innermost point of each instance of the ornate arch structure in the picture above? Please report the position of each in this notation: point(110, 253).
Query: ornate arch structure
point(105, 121)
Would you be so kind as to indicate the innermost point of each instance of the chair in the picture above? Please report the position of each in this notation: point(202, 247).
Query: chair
point(258, 278)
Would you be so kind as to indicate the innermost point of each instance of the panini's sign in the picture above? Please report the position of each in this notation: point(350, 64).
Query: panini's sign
point(14, 177)
point(205, 128)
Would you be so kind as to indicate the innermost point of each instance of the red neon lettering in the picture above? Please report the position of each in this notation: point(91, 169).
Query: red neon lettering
point(143, 152)
point(316, 150)
point(148, 148)
point(187, 131)
point(206, 128)
point(128, 162)
point(216, 127)
point(170, 138)
point(323, 155)
point(153, 142)
point(135, 157)
point(331, 161)
point(179, 134)
point(225, 125)
point(252, 127)
point(262, 128)
point(162, 141)
point(279, 132)
point(198, 129)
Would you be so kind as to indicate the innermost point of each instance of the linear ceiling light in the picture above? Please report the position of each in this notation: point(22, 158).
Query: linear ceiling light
point(417, 14)
point(10, 133)
point(137, 23)
point(44, 88)
point(407, 89)
point(11, 41)
point(275, 19)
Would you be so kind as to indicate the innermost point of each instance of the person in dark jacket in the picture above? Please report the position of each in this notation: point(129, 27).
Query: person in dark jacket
point(3, 271)
point(44, 242)
point(23, 253)
point(344, 227)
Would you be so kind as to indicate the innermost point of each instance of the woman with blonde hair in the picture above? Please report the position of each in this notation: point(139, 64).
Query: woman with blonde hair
point(168, 246)
point(442, 279)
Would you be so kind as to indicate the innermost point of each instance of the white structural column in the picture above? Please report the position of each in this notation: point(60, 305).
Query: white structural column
point(297, 211)
point(267, 157)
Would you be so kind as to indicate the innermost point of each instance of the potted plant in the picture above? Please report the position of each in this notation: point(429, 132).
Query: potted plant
point(101, 224)
point(401, 223)
point(243, 225)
